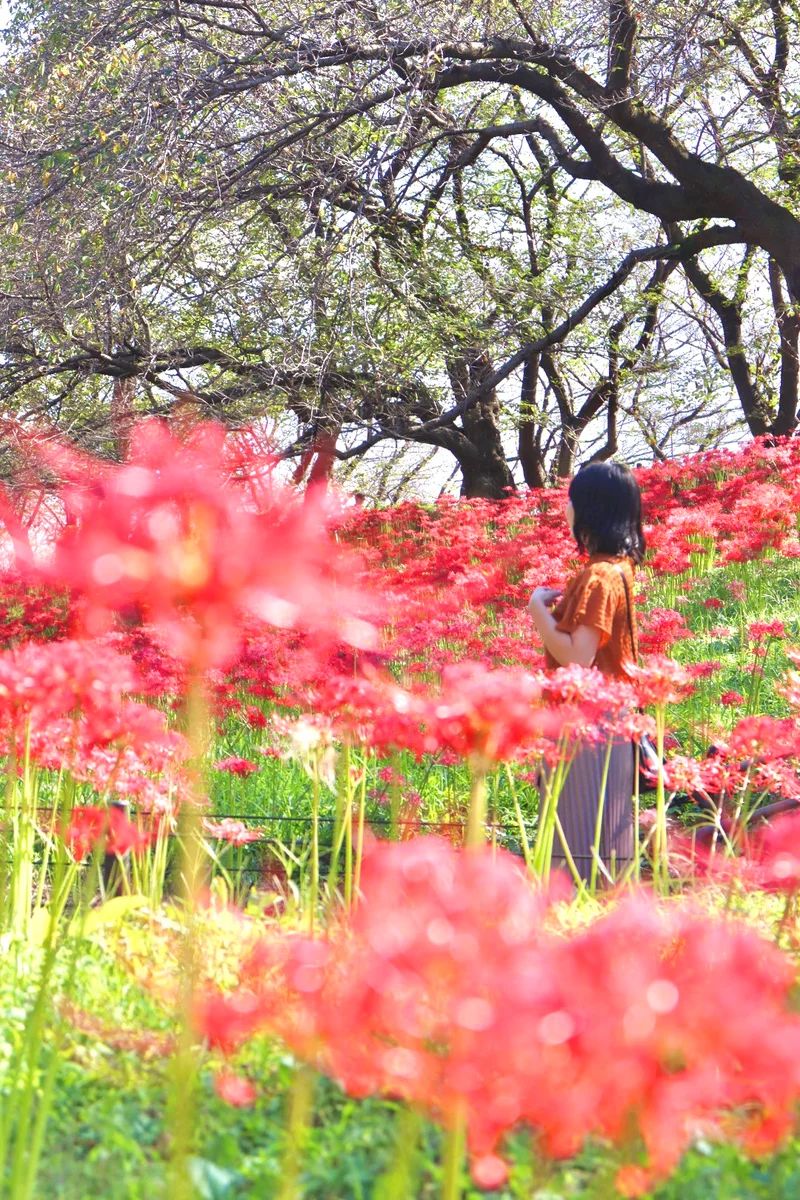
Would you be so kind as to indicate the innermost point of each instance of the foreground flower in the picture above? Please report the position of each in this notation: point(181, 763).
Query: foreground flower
point(41, 683)
point(489, 1172)
point(224, 1022)
point(189, 535)
point(446, 988)
point(765, 736)
point(484, 715)
point(773, 858)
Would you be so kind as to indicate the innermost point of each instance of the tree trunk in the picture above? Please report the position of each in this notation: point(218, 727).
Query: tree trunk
point(529, 441)
point(487, 479)
point(318, 460)
point(567, 449)
point(122, 415)
point(485, 472)
point(730, 318)
point(789, 332)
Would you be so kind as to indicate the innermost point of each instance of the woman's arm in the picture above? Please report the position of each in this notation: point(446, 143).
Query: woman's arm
point(579, 647)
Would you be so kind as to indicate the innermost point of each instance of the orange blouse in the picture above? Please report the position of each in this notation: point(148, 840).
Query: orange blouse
point(596, 597)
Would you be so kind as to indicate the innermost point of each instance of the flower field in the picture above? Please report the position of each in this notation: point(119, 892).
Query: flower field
point(276, 895)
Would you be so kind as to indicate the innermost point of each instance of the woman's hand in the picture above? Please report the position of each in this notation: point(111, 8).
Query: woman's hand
point(544, 597)
point(579, 647)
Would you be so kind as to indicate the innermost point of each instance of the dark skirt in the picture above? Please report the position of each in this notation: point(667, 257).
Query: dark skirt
point(578, 805)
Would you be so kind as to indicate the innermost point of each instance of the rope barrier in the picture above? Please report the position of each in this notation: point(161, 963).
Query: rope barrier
point(383, 821)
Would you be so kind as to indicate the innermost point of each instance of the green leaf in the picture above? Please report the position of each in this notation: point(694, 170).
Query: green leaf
point(40, 923)
point(110, 913)
point(212, 1182)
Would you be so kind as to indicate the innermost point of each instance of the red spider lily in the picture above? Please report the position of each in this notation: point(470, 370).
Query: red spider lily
point(703, 670)
point(224, 1022)
point(256, 718)
point(767, 737)
point(633, 726)
point(790, 689)
point(233, 831)
point(445, 988)
point(594, 693)
point(713, 603)
point(236, 766)
point(372, 710)
point(779, 778)
point(682, 774)
point(632, 1181)
point(774, 855)
point(89, 827)
point(760, 630)
point(660, 681)
point(731, 699)
point(443, 569)
point(488, 1172)
point(33, 613)
point(39, 683)
point(234, 1089)
point(660, 628)
point(484, 715)
point(63, 705)
point(175, 535)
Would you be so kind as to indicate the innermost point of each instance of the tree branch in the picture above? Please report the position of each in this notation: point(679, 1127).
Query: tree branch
point(713, 236)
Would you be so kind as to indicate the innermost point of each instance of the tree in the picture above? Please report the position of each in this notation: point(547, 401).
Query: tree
point(429, 172)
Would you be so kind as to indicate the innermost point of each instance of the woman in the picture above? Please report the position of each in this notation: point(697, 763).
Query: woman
point(592, 623)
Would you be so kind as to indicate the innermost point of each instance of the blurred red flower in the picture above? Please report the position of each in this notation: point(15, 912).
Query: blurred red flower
point(224, 1021)
point(447, 988)
point(773, 857)
point(190, 534)
point(234, 1089)
point(90, 826)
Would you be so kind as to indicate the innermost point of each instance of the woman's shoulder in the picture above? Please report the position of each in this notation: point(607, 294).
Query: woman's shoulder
point(603, 568)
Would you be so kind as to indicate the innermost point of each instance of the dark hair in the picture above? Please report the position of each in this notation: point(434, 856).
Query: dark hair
point(608, 510)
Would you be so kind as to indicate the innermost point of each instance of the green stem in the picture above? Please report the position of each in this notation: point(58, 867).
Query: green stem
point(300, 1105)
point(637, 843)
point(348, 842)
point(339, 821)
point(6, 850)
point(455, 1145)
point(598, 828)
point(399, 1182)
point(183, 1099)
point(576, 875)
point(362, 808)
point(523, 833)
point(660, 869)
point(477, 805)
point(314, 850)
point(551, 784)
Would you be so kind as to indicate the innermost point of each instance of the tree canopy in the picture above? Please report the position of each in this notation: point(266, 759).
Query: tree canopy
point(522, 233)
